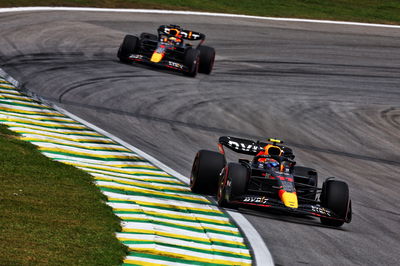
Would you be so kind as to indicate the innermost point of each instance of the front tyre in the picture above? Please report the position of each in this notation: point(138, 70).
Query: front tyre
point(191, 61)
point(206, 168)
point(335, 196)
point(232, 184)
point(129, 46)
point(207, 58)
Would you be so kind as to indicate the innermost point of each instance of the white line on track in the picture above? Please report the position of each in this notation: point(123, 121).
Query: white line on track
point(192, 13)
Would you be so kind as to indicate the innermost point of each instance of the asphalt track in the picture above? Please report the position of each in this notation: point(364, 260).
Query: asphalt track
point(331, 91)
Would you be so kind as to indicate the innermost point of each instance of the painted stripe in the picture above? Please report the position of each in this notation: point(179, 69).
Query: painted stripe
point(28, 110)
point(128, 238)
point(147, 258)
point(182, 232)
point(125, 166)
point(8, 89)
point(50, 146)
point(31, 104)
point(127, 169)
point(32, 131)
point(188, 214)
point(80, 139)
point(193, 13)
point(38, 131)
point(135, 260)
point(19, 97)
point(134, 190)
point(145, 183)
point(58, 153)
point(191, 225)
point(178, 205)
point(46, 118)
point(94, 147)
point(140, 214)
point(158, 180)
point(188, 254)
point(48, 124)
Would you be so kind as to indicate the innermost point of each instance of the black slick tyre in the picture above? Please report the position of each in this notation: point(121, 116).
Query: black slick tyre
point(335, 196)
point(207, 58)
point(232, 184)
point(206, 168)
point(191, 61)
point(129, 46)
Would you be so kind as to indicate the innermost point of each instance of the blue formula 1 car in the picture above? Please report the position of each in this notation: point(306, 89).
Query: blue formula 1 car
point(271, 180)
point(172, 48)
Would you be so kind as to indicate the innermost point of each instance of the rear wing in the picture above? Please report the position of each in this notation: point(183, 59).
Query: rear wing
point(173, 30)
point(249, 147)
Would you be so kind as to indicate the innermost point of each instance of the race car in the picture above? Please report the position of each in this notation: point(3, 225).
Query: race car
point(169, 49)
point(271, 179)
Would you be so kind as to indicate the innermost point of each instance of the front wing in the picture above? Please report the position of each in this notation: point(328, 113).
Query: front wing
point(163, 63)
point(303, 209)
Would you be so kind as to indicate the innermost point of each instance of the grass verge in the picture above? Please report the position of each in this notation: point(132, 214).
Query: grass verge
point(51, 213)
point(373, 11)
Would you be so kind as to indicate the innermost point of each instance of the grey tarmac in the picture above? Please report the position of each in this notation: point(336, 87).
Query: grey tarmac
point(330, 91)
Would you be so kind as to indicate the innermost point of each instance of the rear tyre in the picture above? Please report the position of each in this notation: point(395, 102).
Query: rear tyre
point(129, 46)
point(206, 168)
point(236, 175)
point(307, 176)
point(207, 58)
point(149, 36)
point(335, 196)
point(191, 61)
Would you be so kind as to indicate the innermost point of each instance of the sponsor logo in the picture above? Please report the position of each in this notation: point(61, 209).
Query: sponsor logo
point(176, 65)
point(136, 56)
point(259, 200)
point(321, 210)
point(185, 34)
point(195, 36)
point(242, 146)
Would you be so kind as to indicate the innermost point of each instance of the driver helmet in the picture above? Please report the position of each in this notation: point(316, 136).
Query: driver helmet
point(269, 150)
point(174, 39)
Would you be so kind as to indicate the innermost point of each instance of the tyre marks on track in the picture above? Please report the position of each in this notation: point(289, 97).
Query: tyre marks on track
point(163, 223)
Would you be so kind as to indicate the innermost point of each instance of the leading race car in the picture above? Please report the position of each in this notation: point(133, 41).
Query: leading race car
point(271, 180)
point(169, 49)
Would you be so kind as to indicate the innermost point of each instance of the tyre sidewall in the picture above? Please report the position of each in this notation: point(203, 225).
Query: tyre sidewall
point(191, 61)
point(129, 46)
point(207, 58)
point(335, 196)
point(233, 183)
point(206, 170)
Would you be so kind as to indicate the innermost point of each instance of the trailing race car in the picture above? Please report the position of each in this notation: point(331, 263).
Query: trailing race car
point(271, 179)
point(169, 49)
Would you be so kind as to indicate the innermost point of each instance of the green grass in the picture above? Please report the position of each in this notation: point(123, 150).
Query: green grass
point(376, 11)
point(51, 213)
